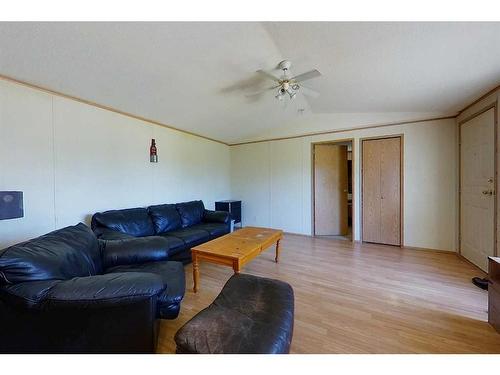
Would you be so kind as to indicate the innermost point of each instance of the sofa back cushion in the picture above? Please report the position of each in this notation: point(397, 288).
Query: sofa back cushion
point(165, 217)
point(133, 221)
point(191, 212)
point(63, 254)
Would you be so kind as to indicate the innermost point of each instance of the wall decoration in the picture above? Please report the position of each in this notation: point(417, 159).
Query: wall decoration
point(11, 205)
point(153, 152)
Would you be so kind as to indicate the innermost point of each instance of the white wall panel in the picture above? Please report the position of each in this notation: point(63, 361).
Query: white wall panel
point(190, 168)
point(102, 161)
point(26, 160)
point(286, 184)
point(251, 182)
point(430, 180)
point(72, 159)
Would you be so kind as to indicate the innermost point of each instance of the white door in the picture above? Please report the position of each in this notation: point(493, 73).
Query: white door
point(477, 189)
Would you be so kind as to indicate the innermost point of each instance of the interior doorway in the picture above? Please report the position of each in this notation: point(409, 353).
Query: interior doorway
point(333, 189)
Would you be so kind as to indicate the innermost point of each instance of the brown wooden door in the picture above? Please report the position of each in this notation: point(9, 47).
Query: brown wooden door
point(330, 190)
point(381, 174)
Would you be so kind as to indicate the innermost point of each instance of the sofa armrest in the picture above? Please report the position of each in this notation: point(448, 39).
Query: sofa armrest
point(134, 250)
point(113, 289)
point(113, 313)
point(216, 217)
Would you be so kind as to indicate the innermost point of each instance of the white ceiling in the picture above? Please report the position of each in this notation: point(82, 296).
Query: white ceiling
point(195, 76)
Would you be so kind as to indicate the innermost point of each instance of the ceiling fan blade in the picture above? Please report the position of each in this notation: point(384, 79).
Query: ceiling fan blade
point(261, 91)
point(268, 75)
point(308, 92)
point(305, 76)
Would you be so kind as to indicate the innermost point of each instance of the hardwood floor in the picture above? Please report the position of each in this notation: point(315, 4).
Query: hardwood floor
point(363, 298)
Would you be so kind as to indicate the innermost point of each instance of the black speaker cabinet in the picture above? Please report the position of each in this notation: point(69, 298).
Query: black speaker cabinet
point(11, 205)
point(233, 207)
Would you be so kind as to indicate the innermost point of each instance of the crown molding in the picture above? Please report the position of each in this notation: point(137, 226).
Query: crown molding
point(158, 123)
point(484, 96)
point(373, 126)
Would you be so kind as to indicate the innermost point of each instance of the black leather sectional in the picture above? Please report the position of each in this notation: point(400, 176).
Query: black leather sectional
point(172, 228)
point(58, 294)
point(68, 291)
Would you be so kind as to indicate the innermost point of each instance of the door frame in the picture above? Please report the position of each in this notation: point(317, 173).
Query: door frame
point(401, 182)
point(484, 109)
point(353, 176)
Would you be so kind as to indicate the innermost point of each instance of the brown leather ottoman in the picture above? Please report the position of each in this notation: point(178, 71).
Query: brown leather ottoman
point(251, 315)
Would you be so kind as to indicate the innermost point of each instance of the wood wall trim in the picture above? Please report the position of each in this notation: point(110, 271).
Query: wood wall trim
point(158, 123)
point(373, 126)
point(482, 97)
point(477, 113)
point(101, 106)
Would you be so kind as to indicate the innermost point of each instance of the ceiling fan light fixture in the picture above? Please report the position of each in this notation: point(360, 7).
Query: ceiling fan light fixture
point(290, 85)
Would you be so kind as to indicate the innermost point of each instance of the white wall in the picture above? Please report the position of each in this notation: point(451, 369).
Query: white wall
point(274, 181)
point(72, 159)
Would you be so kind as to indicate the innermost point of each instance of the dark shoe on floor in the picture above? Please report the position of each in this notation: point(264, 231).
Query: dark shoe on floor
point(480, 282)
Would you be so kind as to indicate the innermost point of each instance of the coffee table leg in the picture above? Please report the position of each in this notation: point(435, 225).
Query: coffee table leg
point(196, 273)
point(236, 267)
point(277, 251)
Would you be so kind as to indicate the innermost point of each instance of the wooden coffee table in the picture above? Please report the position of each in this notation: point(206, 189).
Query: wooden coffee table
point(235, 249)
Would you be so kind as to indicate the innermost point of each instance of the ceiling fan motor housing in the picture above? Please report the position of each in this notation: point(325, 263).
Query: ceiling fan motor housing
point(285, 64)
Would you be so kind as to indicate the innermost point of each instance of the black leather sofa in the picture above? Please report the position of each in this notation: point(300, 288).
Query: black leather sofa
point(64, 292)
point(173, 229)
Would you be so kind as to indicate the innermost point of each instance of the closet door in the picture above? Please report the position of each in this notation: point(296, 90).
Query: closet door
point(371, 191)
point(381, 176)
point(390, 191)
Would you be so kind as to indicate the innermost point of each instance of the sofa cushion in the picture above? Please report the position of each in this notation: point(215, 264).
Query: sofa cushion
point(172, 274)
point(191, 212)
point(191, 237)
point(175, 244)
point(60, 255)
point(133, 221)
point(214, 229)
point(165, 217)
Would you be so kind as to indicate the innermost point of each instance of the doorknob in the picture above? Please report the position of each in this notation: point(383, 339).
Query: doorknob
point(485, 192)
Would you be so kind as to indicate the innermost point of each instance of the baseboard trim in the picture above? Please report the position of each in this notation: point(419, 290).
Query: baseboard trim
point(429, 249)
point(361, 242)
point(472, 264)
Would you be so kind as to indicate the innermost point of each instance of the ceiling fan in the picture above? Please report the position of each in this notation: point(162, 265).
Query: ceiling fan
point(290, 86)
